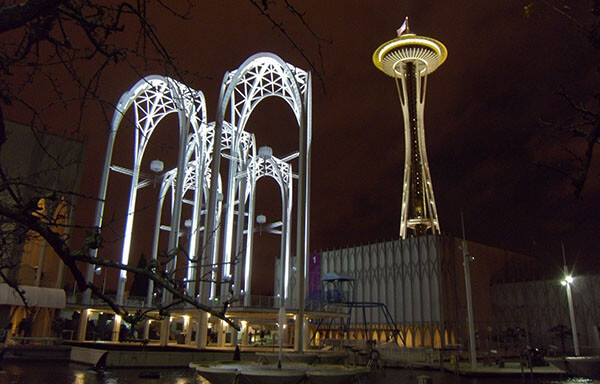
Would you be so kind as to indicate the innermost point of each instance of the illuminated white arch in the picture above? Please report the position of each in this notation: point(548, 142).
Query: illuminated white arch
point(281, 172)
point(153, 97)
point(198, 158)
point(260, 76)
point(196, 163)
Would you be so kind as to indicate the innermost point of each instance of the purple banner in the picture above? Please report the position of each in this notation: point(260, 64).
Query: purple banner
point(314, 276)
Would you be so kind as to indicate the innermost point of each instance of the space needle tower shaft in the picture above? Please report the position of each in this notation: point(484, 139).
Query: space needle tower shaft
point(409, 59)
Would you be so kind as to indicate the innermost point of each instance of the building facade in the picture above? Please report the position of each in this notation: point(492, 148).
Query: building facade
point(421, 282)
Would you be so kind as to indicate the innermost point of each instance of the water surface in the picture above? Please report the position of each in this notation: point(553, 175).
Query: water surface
point(30, 372)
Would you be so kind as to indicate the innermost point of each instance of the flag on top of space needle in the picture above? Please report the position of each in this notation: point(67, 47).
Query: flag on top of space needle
point(403, 28)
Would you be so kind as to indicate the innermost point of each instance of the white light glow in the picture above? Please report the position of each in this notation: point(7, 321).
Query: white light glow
point(265, 152)
point(157, 166)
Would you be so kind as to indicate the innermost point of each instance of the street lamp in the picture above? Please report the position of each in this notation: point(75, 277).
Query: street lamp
point(567, 283)
point(188, 227)
point(265, 152)
point(97, 272)
point(156, 166)
point(568, 280)
point(261, 219)
point(467, 258)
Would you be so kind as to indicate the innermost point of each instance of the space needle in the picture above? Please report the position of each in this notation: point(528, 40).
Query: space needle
point(409, 58)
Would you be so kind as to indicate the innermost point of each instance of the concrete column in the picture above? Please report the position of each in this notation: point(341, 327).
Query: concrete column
point(82, 328)
point(306, 333)
point(116, 328)
point(165, 328)
point(202, 330)
point(245, 335)
point(297, 333)
point(220, 333)
point(187, 328)
point(147, 329)
point(234, 337)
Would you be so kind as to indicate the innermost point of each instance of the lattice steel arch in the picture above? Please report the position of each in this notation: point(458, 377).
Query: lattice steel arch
point(281, 172)
point(260, 76)
point(153, 97)
point(197, 162)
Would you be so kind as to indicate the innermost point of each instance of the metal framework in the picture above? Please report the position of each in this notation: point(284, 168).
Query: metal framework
point(260, 76)
point(409, 59)
point(153, 97)
point(198, 161)
point(191, 181)
point(269, 166)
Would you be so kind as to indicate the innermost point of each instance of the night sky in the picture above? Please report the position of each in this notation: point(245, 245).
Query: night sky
point(485, 142)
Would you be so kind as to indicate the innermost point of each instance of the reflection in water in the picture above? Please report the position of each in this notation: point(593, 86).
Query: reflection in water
point(30, 372)
point(79, 378)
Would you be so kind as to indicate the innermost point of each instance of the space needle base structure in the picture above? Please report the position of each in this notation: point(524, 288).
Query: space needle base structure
point(409, 59)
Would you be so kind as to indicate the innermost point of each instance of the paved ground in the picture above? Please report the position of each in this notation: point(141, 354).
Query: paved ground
point(509, 369)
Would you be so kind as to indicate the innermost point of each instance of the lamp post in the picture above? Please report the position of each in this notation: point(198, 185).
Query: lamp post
point(266, 154)
point(261, 219)
point(467, 258)
point(567, 284)
point(188, 227)
point(156, 166)
point(97, 271)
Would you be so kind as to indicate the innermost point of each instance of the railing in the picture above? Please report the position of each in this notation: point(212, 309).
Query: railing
point(35, 340)
point(256, 301)
point(131, 302)
point(336, 296)
point(260, 301)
